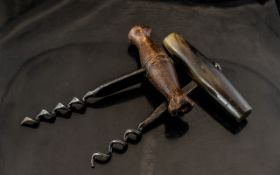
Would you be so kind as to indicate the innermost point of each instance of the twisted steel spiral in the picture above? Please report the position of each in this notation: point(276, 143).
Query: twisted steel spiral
point(75, 105)
point(117, 144)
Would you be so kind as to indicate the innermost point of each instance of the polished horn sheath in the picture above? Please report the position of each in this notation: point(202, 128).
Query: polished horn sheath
point(207, 76)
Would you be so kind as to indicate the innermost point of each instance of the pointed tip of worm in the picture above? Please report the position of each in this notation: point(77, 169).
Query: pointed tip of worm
point(28, 121)
point(92, 163)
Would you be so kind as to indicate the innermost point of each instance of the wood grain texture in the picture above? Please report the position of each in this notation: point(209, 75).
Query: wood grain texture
point(160, 70)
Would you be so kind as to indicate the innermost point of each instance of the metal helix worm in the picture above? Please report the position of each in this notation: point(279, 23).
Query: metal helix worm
point(75, 105)
point(129, 134)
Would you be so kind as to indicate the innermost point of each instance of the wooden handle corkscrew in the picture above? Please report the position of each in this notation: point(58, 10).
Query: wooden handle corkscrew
point(160, 70)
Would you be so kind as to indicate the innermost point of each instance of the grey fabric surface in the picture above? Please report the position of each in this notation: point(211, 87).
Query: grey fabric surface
point(63, 48)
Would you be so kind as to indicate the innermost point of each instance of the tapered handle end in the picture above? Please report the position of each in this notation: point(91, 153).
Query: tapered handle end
point(139, 33)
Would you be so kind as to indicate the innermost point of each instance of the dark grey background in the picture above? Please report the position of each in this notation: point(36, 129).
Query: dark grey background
point(52, 50)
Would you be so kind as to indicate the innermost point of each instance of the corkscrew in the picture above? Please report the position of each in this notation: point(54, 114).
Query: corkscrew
point(136, 134)
point(78, 105)
point(160, 70)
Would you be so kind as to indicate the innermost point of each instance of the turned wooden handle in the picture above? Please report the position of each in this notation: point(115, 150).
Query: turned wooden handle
point(160, 70)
